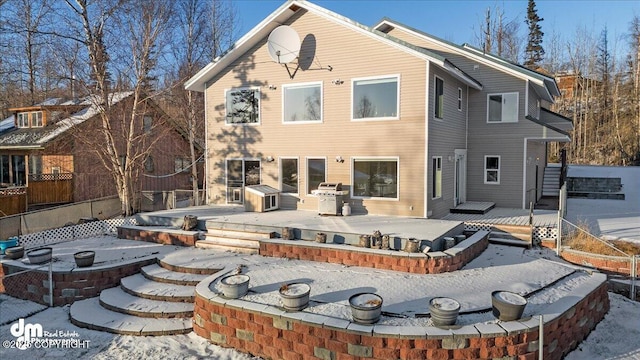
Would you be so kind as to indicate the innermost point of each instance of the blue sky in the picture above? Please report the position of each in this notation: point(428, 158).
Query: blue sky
point(459, 20)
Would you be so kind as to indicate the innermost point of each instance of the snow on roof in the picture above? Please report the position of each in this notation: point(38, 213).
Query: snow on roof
point(29, 137)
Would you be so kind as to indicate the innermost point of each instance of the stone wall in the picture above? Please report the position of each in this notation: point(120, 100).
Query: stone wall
point(268, 332)
point(432, 263)
point(68, 286)
point(158, 235)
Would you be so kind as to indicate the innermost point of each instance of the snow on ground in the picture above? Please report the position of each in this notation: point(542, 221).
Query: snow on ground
point(611, 219)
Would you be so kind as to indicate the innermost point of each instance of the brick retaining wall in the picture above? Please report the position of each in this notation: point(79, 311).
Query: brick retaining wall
point(68, 286)
point(158, 235)
point(607, 263)
point(432, 263)
point(266, 331)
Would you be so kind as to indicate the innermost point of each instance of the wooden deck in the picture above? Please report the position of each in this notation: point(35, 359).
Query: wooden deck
point(508, 216)
point(473, 207)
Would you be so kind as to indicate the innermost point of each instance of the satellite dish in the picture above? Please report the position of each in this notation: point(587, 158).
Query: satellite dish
point(283, 44)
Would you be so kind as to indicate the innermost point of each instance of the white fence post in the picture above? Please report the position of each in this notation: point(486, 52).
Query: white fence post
point(541, 339)
point(51, 283)
point(634, 274)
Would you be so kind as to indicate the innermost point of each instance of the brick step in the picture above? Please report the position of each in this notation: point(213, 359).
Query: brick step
point(115, 299)
point(239, 234)
point(158, 273)
point(91, 315)
point(139, 286)
point(235, 245)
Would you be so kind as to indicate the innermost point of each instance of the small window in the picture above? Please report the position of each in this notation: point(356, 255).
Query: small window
point(289, 176)
point(23, 120)
point(55, 170)
point(122, 159)
point(439, 98)
point(492, 169)
point(436, 177)
point(35, 165)
point(243, 106)
point(148, 164)
point(181, 164)
point(375, 98)
point(375, 178)
point(459, 99)
point(36, 119)
point(316, 173)
point(147, 123)
point(302, 103)
point(502, 107)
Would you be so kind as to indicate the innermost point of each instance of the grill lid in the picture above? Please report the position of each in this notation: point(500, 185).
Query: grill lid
point(330, 186)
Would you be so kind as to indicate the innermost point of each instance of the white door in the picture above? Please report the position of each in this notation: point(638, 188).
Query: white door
point(460, 190)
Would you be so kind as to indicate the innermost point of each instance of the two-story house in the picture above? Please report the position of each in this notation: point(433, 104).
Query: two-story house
point(48, 152)
point(410, 124)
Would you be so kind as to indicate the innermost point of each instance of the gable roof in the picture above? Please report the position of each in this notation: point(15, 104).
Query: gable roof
point(15, 138)
point(544, 85)
point(285, 11)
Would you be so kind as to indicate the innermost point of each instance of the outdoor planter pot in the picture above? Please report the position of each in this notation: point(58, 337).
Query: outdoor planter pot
point(14, 252)
point(4, 244)
point(84, 258)
point(40, 256)
point(412, 245)
point(366, 308)
point(507, 306)
point(444, 311)
point(287, 233)
point(295, 296)
point(321, 237)
point(234, 286)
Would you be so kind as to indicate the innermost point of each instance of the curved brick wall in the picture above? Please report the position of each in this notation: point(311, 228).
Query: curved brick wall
point(432, 263)
point(612, 264)
point(267, 331)
point(68, 286)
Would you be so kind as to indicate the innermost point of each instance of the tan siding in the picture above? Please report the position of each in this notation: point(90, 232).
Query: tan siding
point(351, 55)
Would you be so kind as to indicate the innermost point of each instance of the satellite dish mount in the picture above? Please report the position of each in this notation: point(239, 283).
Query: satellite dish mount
point(284, 47)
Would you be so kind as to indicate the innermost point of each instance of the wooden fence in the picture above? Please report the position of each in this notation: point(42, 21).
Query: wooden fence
point(50, 189)
point(13, 201)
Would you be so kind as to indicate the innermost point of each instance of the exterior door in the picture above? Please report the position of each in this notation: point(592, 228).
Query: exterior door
point(460, 189)
point(241, 173)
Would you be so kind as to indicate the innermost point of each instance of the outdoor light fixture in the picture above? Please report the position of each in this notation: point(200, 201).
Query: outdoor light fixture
point(269, 158)
point(337, 82)
point(272, 87)
point(339, 159)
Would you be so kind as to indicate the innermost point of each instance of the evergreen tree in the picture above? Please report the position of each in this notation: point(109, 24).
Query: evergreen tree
point(534, 53)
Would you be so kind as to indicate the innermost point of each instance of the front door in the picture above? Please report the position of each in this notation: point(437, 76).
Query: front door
point(241, 173)
point(460, 190)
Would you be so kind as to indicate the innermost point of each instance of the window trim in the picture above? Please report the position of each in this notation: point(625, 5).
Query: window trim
point(305, 84)
point(375, 158)
point(376, 77)
point(459, 99)
point(306, 175)
point(255, 88)
point(502, 121)
point(436, 98)
point(498, 170)
point(280, 177)
point(435, 194)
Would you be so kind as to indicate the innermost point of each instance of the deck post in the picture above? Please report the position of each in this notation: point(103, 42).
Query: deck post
point(541, 339)
point(634, 274)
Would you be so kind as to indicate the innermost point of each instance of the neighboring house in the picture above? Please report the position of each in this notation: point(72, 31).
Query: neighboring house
point(410, 124)
point(44, 153)
point(576, 92)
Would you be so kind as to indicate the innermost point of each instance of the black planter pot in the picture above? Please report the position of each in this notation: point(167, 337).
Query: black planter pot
point(14, 252)
point(84, 258)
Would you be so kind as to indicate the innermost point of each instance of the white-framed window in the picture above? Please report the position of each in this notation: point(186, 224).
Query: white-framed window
point(502, 107)
point(459, 99)
point(438, 102)
point(23, 120)
point(375, 178)
point(316, 172)
point(149, 166)
point(242, 106)
point(55, 170)
point(147, 123)
point(302, 103)
point(492, 169)
point(289, 181)
point(30, 119)
point(436, 177)
point(376, 98)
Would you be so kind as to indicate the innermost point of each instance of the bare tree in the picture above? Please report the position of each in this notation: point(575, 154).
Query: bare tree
point(122, 146)
point(500, 35)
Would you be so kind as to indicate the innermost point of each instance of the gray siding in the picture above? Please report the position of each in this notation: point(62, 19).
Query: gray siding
point(445, 135)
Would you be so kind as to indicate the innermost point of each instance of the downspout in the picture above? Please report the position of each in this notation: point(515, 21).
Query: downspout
point(205, 174)
point(425, 190)
point(524, 175)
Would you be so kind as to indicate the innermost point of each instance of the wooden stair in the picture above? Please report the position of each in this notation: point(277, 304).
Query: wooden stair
point(241, 241)
point(519, 235)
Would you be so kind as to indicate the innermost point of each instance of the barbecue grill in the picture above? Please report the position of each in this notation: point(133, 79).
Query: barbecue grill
point(330, 198)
